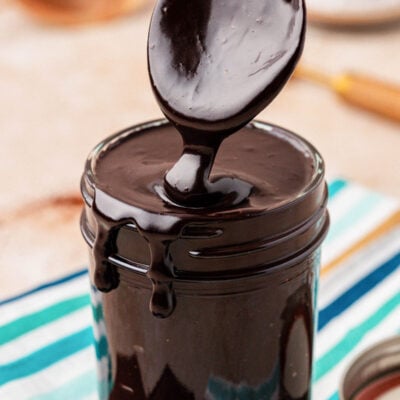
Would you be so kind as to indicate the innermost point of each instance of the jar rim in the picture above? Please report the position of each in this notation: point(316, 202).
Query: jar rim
point(88, 180)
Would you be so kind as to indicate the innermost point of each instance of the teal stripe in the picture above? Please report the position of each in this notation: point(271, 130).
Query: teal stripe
point(101, 348)
point(98, 313)
point(77, 388)
point(353, 216)
point(335, 396)
point(336, 186)
point(46, 356)
point(27, 323)
point(45, 286)
point(337, 353)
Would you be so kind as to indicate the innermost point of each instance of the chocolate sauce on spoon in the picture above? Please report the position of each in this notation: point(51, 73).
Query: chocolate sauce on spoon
point(214, 65)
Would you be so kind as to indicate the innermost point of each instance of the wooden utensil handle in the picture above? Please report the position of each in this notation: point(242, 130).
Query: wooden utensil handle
point(371, 94)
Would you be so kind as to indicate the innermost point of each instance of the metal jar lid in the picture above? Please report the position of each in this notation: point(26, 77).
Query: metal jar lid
point(375, 363)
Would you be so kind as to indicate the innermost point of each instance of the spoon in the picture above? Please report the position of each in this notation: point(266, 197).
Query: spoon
point(213, 66)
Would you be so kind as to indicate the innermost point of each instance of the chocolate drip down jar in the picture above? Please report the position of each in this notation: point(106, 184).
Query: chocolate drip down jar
point(204, 303)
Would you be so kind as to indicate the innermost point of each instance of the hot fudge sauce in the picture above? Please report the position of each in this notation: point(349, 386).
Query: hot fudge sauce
point(214, 65)
point(244, 278)
point(218, 232)
point(208, 88)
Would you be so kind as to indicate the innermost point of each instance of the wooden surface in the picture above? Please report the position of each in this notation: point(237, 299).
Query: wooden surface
point(62, 90)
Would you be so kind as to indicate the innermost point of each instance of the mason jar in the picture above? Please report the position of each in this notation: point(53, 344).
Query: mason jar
point(244, 291)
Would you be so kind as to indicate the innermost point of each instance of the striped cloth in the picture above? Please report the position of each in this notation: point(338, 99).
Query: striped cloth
point(46, 339)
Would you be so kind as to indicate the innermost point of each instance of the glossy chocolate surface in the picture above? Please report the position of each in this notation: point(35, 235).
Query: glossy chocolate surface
point(279, 166)
point(214, 65)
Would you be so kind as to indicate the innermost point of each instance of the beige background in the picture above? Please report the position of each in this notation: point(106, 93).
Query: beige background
point(64, 89)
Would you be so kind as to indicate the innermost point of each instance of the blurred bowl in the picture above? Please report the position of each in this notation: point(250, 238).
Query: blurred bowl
point(354, 13)
point(79, 11)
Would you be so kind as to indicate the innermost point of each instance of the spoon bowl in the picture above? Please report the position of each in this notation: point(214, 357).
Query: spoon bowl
point(215, 64)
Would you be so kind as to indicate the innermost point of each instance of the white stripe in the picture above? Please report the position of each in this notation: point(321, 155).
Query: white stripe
point(337, 328)
point(99, 330)
point(329, 383)
point(358, 266)
point(345, 200)
point(44, 298)
point(103, 369)
point(346, 240)
point(50, 378)
point(93, 396)
point(96, 296)
point(46, 334)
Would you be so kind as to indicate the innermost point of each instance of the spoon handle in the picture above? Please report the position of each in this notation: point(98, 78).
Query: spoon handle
point(369, 93)
point(362, 91)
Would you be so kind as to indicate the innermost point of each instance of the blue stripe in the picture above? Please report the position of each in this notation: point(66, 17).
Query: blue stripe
point(46, 356)
point(336, 186)
point(45, 286)
point(353, 216)
point(349, 297)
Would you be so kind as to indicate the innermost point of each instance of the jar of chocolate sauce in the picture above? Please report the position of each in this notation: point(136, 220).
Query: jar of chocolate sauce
point(205, 303)
point(205, 231)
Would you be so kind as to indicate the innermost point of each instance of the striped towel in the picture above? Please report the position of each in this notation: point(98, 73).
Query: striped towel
point(46, 340)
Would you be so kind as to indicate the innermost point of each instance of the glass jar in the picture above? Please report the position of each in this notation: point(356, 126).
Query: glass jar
point(245, 292)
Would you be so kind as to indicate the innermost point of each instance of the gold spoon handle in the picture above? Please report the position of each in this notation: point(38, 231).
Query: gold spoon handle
point(365, 92)
point(370, 94)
